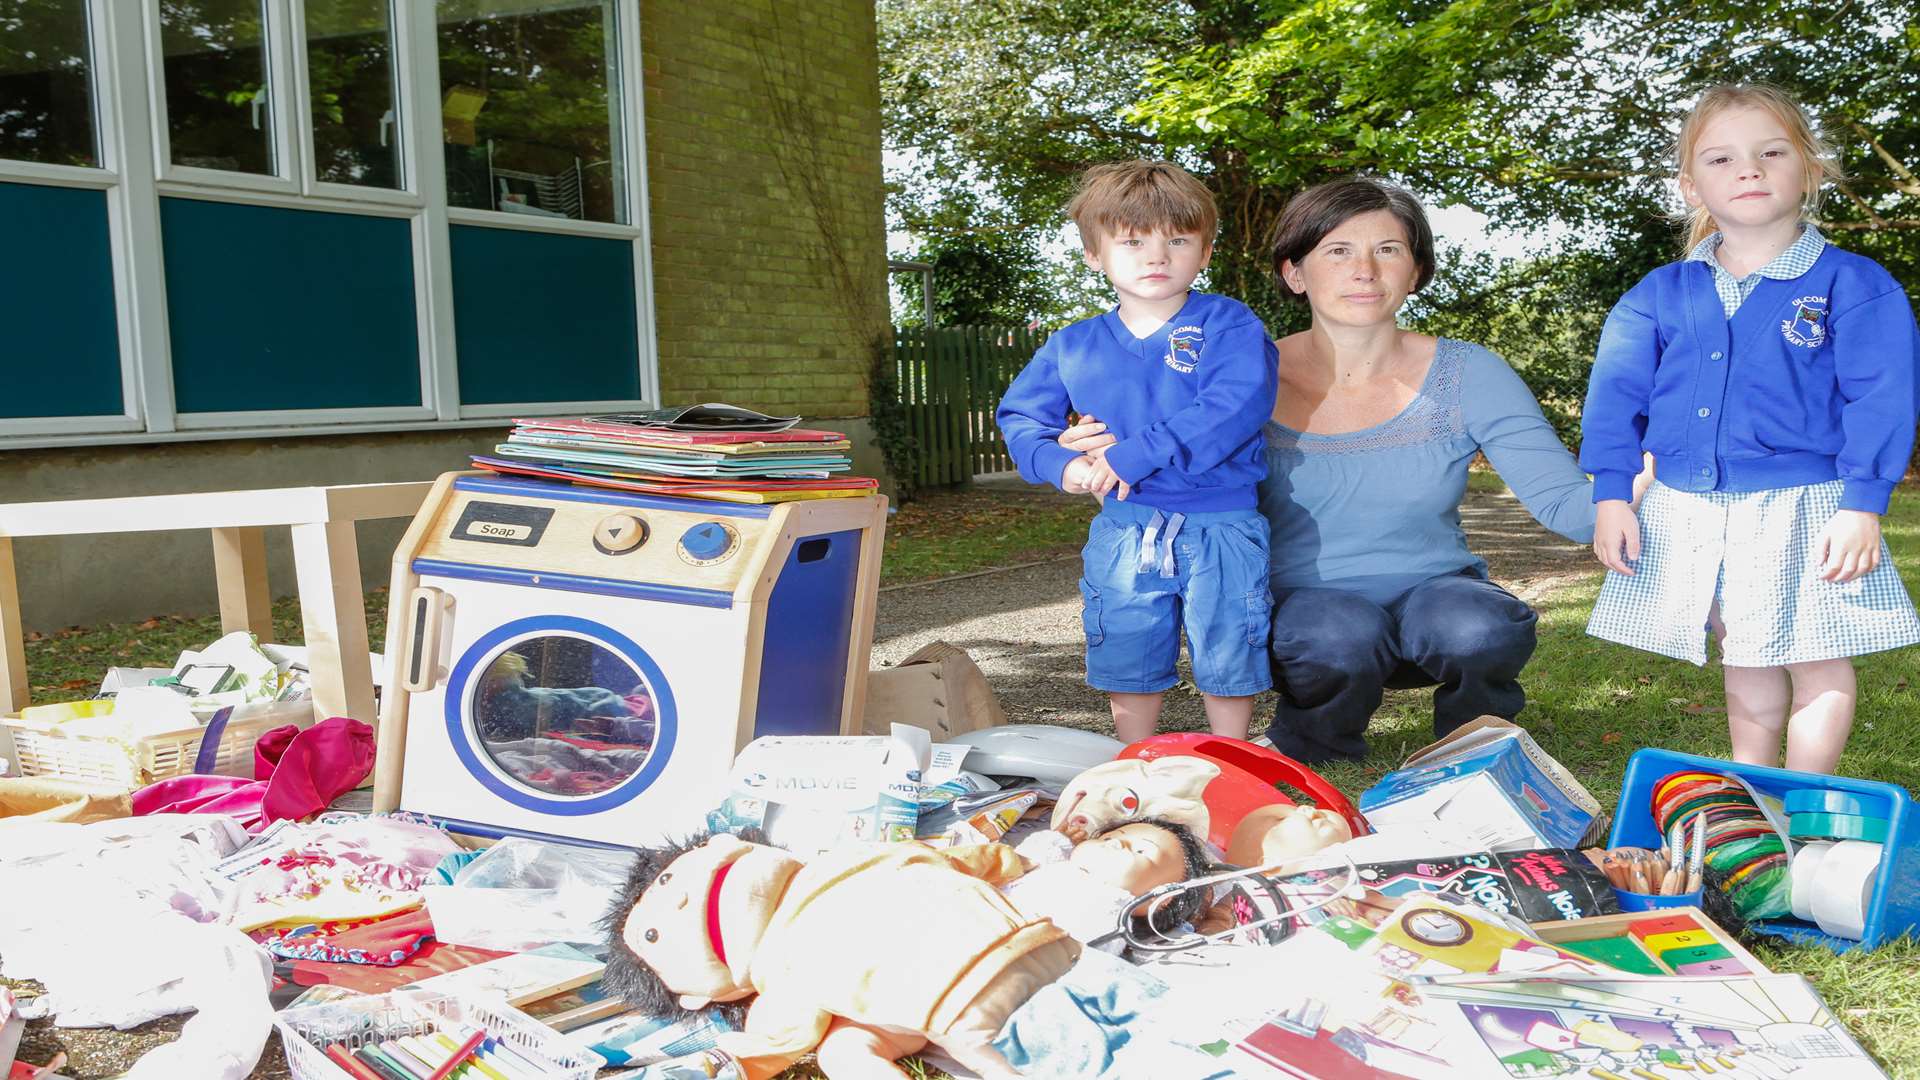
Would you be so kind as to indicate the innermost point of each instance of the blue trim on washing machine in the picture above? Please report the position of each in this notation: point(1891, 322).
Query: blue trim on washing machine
point(666, 725)
point(549, 489)
point(808, 632)
point(576, 583)
point(501, 832)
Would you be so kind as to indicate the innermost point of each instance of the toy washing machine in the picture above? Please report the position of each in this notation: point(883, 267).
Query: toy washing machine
point(584, 664)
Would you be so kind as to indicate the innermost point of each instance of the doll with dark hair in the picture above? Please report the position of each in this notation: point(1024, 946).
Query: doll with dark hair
point(862, 955)
point(1084, 886)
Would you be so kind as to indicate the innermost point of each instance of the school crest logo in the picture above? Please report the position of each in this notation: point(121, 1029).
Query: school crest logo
point(1183, 348)
point(1808, 324)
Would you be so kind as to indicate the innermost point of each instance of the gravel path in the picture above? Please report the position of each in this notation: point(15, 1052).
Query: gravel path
point(1022, 626)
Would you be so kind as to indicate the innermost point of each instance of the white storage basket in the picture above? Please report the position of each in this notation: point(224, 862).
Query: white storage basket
point(48, 750)
point(306, 1032)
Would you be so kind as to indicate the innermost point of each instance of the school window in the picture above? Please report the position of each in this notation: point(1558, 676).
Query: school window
point(352, 93)
point(531, 108)
point(46, 83)
point(218, 87)
point(263, 216)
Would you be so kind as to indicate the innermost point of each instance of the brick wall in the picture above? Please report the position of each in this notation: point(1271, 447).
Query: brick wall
point(764, 177)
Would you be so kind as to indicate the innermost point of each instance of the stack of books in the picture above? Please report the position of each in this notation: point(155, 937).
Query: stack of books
point(758, 466)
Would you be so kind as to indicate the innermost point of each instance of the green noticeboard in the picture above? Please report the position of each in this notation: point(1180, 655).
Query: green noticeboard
point(270, 308)
point(544, 317)
point(59, 332)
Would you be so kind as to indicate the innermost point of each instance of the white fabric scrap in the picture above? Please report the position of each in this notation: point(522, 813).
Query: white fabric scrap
point(123, 922)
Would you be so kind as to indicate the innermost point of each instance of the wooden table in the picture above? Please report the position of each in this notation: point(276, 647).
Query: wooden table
point(325, 557)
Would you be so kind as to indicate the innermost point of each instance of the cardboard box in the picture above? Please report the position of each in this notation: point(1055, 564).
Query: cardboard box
point(811, 793)
point(939, 688)
point(1492, 784)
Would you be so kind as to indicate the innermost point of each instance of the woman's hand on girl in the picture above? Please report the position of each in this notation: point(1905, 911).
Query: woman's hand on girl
point(1849, 547)
point(1616, 536)
point(1087, 436)
point(1642, 482)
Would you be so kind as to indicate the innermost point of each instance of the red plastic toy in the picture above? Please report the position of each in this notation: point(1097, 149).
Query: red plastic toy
point(1247, 777)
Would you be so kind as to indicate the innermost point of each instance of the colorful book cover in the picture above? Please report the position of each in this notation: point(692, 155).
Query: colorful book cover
point(1762, 1026)
point(631, 433)
point(731, 490)
point(594, 459)
point(736, 452)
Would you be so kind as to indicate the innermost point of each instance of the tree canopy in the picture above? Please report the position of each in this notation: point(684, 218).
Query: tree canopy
point(1530, 112)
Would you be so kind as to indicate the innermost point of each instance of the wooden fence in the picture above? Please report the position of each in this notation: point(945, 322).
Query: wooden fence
point(951, 381)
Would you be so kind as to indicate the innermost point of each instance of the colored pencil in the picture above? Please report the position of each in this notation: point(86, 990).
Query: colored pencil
point(488, 1068)
point(465, 1051)
point(420, 1057)
point(511, 1055)
point(1696, 861)
point(348, 1063)
point(378, 1060)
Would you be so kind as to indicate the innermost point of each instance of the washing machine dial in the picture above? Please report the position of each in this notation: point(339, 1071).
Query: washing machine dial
point(709, 542)
point(617, 534)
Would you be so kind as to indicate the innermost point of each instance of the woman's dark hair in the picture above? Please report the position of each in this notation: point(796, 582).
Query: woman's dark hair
point(1320, 209)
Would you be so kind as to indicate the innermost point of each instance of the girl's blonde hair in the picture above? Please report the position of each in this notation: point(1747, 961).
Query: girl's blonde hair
point(1818, 163)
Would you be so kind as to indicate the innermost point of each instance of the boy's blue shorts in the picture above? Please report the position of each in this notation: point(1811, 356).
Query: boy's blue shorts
point(1149, 573)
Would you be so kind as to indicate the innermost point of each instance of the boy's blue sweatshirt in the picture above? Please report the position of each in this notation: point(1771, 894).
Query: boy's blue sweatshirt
point(1812, 379)
point(1186, 403)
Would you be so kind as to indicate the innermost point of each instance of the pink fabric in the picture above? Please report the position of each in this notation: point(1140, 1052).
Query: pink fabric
point(309, 769)
point(197, 793)
point(297, 773)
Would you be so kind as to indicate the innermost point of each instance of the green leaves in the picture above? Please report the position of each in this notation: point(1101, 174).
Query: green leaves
point(1534, 112)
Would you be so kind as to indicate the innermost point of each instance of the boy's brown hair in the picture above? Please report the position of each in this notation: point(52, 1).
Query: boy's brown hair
point(1141, 196)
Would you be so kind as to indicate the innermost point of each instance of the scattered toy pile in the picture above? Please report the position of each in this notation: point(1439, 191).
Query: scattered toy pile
point(1107, 926)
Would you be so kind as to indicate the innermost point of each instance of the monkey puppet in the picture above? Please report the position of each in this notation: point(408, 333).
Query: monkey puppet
point(863, 955)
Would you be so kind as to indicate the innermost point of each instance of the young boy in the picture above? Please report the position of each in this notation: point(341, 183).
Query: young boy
point(1183, 381)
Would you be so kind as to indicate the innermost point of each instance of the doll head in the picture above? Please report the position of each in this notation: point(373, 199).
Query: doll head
point(1115, 792)
point(1276, 833)
point(1139, 856)
point(687, 924)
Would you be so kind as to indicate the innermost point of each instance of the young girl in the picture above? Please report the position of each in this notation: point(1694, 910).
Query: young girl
point(1771, 376)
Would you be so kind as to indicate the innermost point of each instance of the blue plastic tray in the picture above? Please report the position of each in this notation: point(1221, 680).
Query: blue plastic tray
point(1895, 907)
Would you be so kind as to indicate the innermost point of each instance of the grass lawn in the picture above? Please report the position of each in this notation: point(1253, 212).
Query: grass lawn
point(954, 532)
point(1591, 703)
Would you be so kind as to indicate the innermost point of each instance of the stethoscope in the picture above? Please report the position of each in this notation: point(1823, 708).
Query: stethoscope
point(1131, 918)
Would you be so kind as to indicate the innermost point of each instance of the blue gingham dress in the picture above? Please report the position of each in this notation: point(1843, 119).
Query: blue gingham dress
point(1755, 553)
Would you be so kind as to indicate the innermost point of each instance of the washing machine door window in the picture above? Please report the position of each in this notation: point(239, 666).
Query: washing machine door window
point(562, 715)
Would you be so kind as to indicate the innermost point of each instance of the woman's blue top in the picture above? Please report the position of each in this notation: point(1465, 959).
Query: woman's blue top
point(1377, 511)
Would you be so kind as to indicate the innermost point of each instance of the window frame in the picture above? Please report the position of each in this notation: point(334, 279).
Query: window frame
point(404, 104)
point(136, 171)
point(113, 177)
point(284, 179)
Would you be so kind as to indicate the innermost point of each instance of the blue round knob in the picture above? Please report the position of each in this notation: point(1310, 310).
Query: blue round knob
point(707, 540)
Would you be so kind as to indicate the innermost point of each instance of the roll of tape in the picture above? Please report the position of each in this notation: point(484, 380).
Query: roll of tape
point(1806, 867)
point(1844, 887)
point(1823, 801)
point(1824, 826)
